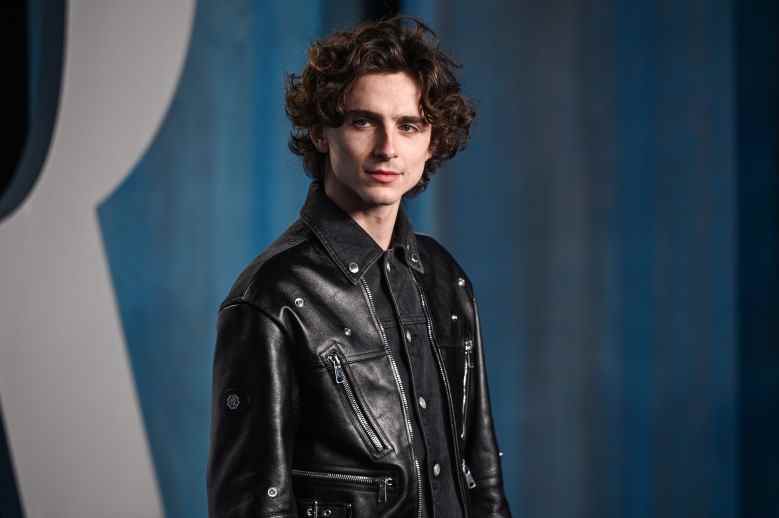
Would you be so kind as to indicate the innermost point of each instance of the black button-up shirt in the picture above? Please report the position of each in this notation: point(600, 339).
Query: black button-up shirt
point(399, 308)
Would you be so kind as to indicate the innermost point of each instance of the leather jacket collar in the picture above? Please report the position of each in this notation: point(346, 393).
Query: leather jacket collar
point(349, 246)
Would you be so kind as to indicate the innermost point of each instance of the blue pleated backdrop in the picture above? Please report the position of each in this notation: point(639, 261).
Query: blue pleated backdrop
point(597, 210)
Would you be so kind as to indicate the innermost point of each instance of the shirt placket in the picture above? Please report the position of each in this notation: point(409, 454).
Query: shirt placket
point(411, 343)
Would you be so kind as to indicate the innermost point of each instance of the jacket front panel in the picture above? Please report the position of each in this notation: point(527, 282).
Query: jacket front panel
point(309, 412)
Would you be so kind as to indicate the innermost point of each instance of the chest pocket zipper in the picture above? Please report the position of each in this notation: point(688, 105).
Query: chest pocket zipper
point(341, 379)
point(467, 367)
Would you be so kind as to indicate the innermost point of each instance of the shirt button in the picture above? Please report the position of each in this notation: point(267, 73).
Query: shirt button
point(422, 402)
point(436, 469)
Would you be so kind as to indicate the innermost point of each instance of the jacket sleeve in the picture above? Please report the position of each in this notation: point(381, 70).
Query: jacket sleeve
point(254, 417)
point(487, 499)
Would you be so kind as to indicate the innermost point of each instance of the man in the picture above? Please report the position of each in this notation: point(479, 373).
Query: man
point(349, 376)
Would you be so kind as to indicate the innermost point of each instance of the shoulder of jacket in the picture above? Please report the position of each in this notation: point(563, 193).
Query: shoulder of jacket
point(271, 264)
point(436, 256)
point(431, 246)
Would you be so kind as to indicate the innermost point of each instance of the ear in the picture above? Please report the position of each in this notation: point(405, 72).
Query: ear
point(317, 136)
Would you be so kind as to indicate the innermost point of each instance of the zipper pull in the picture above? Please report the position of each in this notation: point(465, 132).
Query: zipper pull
point(468, 351)
point(468, 476)
point(337, 369)
point(384, 484)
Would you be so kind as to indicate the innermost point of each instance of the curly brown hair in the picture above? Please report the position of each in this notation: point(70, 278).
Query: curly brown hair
point(316, 97)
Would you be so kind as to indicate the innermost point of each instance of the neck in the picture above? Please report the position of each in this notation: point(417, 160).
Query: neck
point(377, 220)
point(378, 224)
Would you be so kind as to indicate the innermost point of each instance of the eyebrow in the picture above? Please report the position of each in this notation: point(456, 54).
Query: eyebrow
point(373, 115)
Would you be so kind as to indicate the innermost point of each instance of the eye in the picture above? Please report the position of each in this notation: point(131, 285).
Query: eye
point(407, 127)
point(360, 122)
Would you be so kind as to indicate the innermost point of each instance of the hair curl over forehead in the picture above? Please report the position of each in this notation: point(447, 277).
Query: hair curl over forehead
point(316, 97)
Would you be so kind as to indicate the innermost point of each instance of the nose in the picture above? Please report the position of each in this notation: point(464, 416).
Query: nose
point(384, 146)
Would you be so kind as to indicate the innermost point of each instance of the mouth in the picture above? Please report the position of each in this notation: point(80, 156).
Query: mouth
point(383, 175)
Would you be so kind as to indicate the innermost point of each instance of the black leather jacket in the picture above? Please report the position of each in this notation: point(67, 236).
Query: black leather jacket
point(283, 432)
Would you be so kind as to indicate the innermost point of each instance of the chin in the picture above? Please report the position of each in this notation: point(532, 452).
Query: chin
point(381, 195)
point(373, 199)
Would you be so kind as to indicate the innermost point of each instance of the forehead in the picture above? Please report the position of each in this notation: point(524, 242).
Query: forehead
point(386, 93)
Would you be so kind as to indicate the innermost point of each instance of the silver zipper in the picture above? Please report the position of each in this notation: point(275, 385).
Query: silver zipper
point(341, 379)
point(468, 476)
point(382, 484)
point(466, 371)
point(420, 503)
point(403, 402)
point(445, 379)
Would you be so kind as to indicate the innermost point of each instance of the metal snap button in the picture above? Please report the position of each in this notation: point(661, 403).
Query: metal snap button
point(233, 401)
point(414, 258)
point(299, 302)
point(408, 335)
point(347, 331)
point(327, 512)
point(273, 492)
point(461, 282)
point(354, 267)
point(454, 317)
point(436, 469)
point(422, 402)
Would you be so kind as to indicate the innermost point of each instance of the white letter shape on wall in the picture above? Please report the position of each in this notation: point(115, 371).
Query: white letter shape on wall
point(72, 416)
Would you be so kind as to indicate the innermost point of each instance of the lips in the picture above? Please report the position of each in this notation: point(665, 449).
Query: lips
point(383, 176)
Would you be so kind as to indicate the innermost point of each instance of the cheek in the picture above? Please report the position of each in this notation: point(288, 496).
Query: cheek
point(421, 154)
point(417, 167)
point(347, 150)
point(339, 156)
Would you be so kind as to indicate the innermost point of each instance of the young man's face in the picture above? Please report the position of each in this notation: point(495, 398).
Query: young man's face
point(379, 152)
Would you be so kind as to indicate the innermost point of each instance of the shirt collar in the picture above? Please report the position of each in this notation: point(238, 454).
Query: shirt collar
point(350, 247)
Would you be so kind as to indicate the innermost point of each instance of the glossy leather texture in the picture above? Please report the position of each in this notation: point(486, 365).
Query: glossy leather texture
point(288, 437)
